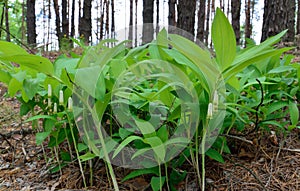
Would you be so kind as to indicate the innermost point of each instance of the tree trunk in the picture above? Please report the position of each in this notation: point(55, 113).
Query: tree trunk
point(172, 13)
point(73, 19)
point(201, 20)
point(7, 22)
point(235, 19)
point(57, 22)
point(65, 19)
point(186, 15)
point(248, 27)
point(148, 31)
point(298, 17)
point(291, 8)
point(278, 16)
point(31, 25)
point(207, 23)
point(85, 24)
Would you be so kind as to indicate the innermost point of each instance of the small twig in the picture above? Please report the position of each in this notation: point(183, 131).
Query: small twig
point(4, 137)
point(238, 138)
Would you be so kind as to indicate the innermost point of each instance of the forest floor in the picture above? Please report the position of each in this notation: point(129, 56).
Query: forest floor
point(263, 161)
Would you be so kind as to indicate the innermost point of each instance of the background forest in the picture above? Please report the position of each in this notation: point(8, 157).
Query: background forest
point(49, 23)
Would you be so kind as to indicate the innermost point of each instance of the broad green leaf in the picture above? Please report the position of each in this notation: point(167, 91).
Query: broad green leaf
point(5, 77)
point(37, 63)
point(63, 63)
point(163, 133)
point(40, 137)
point(40, 117)
point(92, 81)
point(49, 124)
point(158, 147)
point(157, 182)
point(224, 40)
point(281, 69)
point(294, 113)
point(145, 127)
point(10, 49)
point(14, 86)
point(139, 172)
point(32, 86)
point(275, 106)
point(247, 58)
point(214, 155)
point(87, 156)
point(81, 147)
point(125, 143)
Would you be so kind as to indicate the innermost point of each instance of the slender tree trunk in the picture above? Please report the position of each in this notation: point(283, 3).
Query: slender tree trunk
point(157, 12)
point(130, 35)
point(290, 24)
point(112, 17)
point(73, 19)
point(186, 15)
point(298, 17)
point(148, 30)
point(235, 19)
point(85, 24)
point(207, 23)
point(7, 22)
point(107, 17)
point(248, 28)
point(57, 22)
point(172, 13)
point(65, 19)
point(2, 19)
point(31, 24)
point(201, 20)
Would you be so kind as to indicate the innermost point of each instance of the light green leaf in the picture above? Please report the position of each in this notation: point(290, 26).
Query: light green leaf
point(294, 113)
point(157, 182)
point(214, 155)
point(40, 137)
point(158, 147)
point(224, 40)
point(139, 172)
point(87, 156)
point(125, 143)
point(37, 63)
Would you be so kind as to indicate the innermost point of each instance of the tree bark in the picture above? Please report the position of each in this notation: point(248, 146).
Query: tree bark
point(172, 13)
point(248, 27)
point(148, 30)
point(7, 22)
point(298, 17)
point(186, 15)
point(278, 16)
point(57, 21)
point(235, 19)
point(73, 19)
point(31, 24)
point(201, 20)
point(207, 23)
point(85, 23)
point(65, 19)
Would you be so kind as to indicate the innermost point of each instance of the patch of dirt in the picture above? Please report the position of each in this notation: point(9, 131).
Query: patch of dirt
point(263, 162)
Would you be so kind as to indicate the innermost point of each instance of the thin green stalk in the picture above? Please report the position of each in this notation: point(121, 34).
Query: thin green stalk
point(203, 159)
point(76, 150)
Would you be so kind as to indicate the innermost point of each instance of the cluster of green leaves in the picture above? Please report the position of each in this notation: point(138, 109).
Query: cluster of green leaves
point(261, 89)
